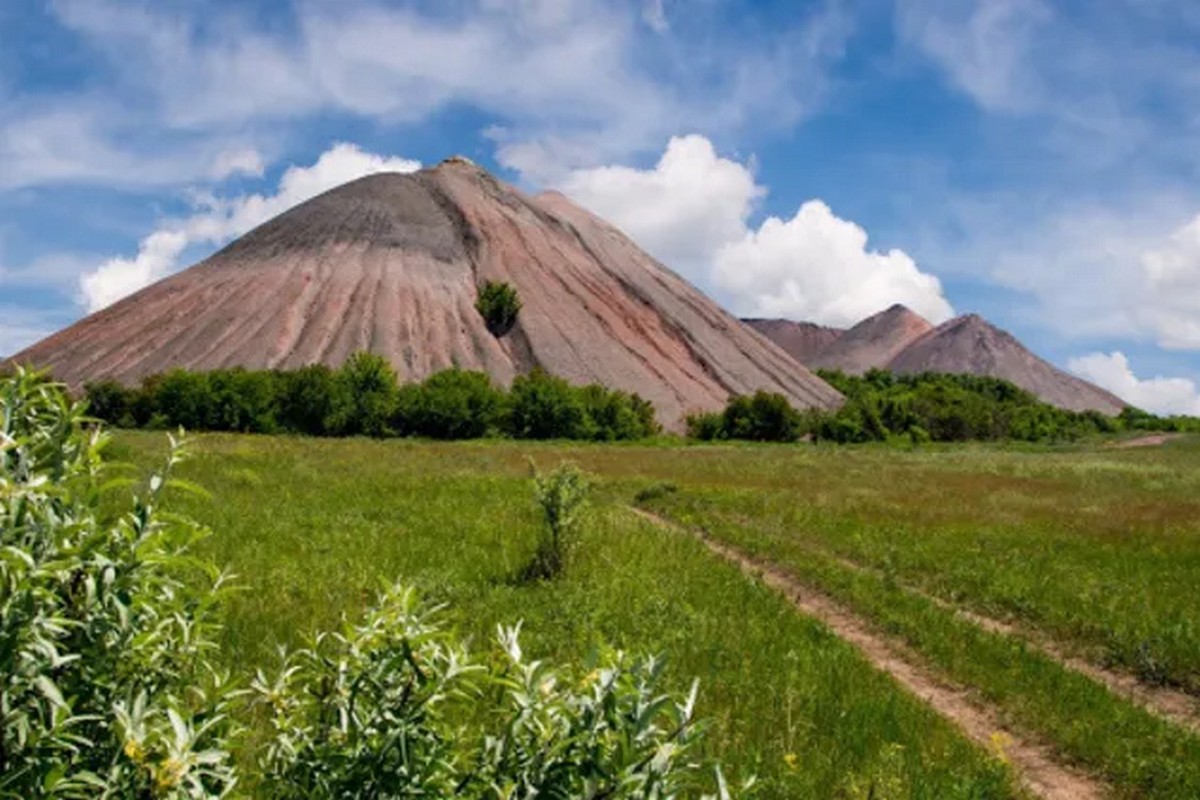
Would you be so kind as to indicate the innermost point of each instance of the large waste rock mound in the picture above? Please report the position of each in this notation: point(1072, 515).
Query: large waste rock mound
point(392, 263)
point(970, 344)
point(872, 343)
point(800, 340)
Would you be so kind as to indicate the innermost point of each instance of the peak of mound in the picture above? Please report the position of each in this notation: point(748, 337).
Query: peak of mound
point(800, 340)
point(385, 210)
point(971, 345)
point(872, 343)
point(391, 263)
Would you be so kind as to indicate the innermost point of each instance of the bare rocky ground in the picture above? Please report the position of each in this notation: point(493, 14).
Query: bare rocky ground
point(800, 340)
point(392, 263)
point(874, 342)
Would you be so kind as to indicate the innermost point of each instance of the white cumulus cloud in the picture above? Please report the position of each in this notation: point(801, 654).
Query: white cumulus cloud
point(220, 219)
point(682, 210)
point(692, 211)
point(817, 267)
point(1158, 395)
point(119, 277)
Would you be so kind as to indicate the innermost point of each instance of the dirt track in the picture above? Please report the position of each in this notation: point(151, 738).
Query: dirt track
point(1154, 440)
point(1036, 765)
point(1172, 705)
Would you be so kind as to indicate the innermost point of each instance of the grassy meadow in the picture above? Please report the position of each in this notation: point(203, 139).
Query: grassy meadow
point(1094, 547)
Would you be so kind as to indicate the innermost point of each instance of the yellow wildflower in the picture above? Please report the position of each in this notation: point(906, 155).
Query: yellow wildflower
point(133, 751)
point(168, 775)
point(1000, 742)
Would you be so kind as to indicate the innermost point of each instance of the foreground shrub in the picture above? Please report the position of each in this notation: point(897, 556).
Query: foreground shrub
point(378, 710)
point(499, 306)
point(106, 624)
point(361, 713)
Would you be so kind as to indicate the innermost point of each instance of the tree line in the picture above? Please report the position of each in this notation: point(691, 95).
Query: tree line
point(364, 398)
point(941, 407)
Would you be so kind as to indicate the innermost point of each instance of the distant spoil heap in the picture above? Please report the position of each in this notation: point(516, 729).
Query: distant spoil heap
point(970, 344)
point(872, 343)
point(899, 340)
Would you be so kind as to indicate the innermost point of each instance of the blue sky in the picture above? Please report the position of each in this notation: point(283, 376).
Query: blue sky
point(1034, 161)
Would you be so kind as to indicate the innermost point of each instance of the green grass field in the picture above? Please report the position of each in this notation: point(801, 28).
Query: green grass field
point(1098, 549)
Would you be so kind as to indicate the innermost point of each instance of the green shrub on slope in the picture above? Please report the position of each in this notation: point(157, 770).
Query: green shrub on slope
point(499, 306)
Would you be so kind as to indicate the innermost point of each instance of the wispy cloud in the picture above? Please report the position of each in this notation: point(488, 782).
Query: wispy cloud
point(21, 326)
point(87, 142)
point(1104, 86)
point(566, 84)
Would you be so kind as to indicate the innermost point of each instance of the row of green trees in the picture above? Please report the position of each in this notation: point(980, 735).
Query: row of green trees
point(931, 406)
point(363, 397)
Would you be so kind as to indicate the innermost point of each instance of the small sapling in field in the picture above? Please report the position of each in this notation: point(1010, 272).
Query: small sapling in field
point(562, 496)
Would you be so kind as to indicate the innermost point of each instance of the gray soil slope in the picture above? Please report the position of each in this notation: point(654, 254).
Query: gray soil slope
point(391, 263)
point(969, 344)
point(872, 343)
point(800, 340)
